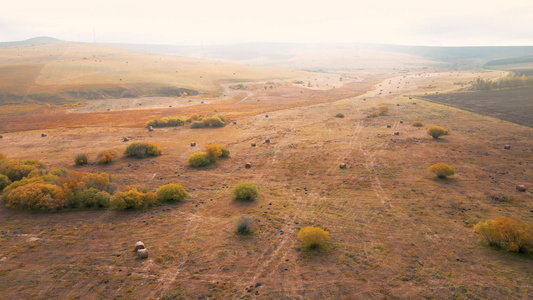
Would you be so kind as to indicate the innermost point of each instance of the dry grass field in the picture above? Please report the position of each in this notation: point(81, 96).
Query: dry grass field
point(396, 231)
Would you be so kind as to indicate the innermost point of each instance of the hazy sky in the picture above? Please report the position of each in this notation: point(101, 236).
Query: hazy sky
point(410, 22)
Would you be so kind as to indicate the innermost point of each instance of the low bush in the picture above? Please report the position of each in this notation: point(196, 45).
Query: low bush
point(245, 191)
point(4, 181)
point(16, 169)
point(225, 151)
point(197, 124)
point(213, 151)
point(192, 118)
point(92, 198)
point(166, 122)
point(339, 115)
point(313, 237)
point(198, 121)
point(142, 150)
point(381, 111)
point(132, 199)
point(507, 234)
point(214, 121)
point(171, 192)
point(199, 159)
point(442, 170)
point(417, 124)
point(37, 196)
point(81, 159)
point(245, 225)
point(436, 131)
point(106, 157)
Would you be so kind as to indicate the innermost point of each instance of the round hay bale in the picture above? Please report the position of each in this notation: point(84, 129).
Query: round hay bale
point(521, 188)
point(507, 147)
point(138, 245)
point(193, 144)
point(43, 134)
point(125, 139)
point(248, 165)
point(1, 137)
point(234, 123)
point(253, 145)
point(342, 166)
point(170, 106)
point(267, 141)
point(142, 253)
point(401, 121)
point(266, 116)
point(150, 128)
point(396, 133)
point(388, 126)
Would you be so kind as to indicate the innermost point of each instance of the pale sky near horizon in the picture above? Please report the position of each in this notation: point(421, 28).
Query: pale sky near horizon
point(407, 22)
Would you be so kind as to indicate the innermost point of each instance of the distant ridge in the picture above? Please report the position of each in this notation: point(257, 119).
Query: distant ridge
point(32, 41)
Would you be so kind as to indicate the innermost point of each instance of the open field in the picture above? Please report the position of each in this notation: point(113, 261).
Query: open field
point(397, 232)
point(512, 105)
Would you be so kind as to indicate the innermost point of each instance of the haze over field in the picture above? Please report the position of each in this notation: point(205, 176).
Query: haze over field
point(410, 22)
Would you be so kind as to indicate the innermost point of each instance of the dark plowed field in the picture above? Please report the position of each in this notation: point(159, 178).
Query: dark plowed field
point(514, 105)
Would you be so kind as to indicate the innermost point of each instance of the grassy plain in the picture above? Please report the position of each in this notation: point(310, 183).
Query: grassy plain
point(396, 231)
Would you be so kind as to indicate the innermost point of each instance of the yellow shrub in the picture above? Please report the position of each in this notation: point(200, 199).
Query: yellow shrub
point(245, 191)
point(106, 157)
point(313, 237)
point(132, 199)
point(37, 196)
point(213, 151)
point(199, 159)
point(442, 170)
point(508, 234)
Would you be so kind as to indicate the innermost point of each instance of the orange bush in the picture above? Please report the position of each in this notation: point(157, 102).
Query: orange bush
point(508, 234)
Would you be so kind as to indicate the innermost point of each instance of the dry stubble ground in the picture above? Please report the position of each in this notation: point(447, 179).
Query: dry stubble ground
point(396, 231)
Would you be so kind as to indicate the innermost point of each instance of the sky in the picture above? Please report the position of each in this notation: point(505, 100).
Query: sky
point(196, 22)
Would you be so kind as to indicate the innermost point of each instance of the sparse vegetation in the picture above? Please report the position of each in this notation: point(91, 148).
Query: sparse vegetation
point(142, 150)
point(382, 110)
point(81, 159)
point(170, 192)
point(436, 131)
point(313, 237)
point(507, 234)
point(442, 170)
point(245, 225)
point(417, 124)
point(245, 191)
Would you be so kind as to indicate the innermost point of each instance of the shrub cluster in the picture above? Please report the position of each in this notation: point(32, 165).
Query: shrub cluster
point(436, 131)
point(211, 155)
point(132, 198)
point(16, 169)
point(142, 150)
point(313, 237)
point(200, 121)
point(245, 191)
point(106, 157)
point(245, 225)
point(166, 122)
point(442, 170)
point(381, 111)
point(59, 189)
point(507, 234)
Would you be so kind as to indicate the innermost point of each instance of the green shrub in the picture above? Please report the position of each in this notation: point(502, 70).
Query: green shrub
point(245, 225)
point(37, 196)
point(132, 199)
point(313, 237)
point(199, 159)
point(417, 124)
point(166, 122)
point(171, 192)
point(436, 131)
point(142, 150)
point(4, 181)
point(339, 115)
point(197, 124)
point(442, 170)
point(508, 234)
point(81, 159)
point(245, 191)
point(92, 197)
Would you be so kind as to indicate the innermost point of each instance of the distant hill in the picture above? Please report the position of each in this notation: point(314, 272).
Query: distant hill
point(32, 41)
